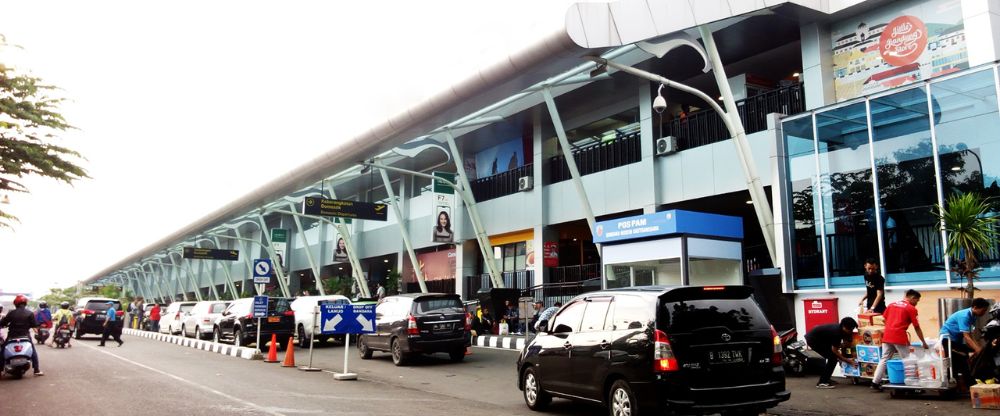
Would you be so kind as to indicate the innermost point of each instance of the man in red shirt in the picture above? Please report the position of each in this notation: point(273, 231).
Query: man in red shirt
point(899, 316)
point(154, 318)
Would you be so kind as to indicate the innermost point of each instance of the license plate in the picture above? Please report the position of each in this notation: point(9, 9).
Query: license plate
point(441, 327)
point(100, 317)
point(273, 319)
point(727, 356)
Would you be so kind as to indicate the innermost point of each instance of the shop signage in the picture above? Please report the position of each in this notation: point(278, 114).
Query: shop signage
point(442, 187)
point(666, 223)
point(210, 254)
point(550, 254)
point(344, 209)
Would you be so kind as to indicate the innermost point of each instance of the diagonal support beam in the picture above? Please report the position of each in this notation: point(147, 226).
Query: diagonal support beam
point(403, 231)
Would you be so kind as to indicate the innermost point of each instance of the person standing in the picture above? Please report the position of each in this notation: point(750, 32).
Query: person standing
point(19, 323)
point(111, 326)
point(826, 341)
point(874, 289)
point(380, 291)
point(958, 329)
point(898, 317)
point(140, 310)
point(154, 318)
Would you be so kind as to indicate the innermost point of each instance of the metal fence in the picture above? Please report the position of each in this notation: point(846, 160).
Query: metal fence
point(574, 273)
point(512, 280)
point(501, 184)
point(706, 127)
point(624, 149)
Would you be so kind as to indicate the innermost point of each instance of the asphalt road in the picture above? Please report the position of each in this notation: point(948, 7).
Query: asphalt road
point(154, 378)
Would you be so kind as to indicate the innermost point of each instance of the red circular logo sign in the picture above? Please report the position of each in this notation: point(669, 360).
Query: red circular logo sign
point(903, 40)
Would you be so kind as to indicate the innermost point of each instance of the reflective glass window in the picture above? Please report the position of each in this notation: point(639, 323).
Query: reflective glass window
point(907, 185)
point(847, 195)
point(966, 123)
point(807, 259)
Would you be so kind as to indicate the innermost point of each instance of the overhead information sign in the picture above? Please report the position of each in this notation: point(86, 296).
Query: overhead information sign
point(345, 209)
point(210, 254)
point(347, 319)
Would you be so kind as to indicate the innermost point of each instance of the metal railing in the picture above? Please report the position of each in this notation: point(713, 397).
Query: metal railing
point(501, 184)
point(550, 293)
point(624, 149)
point(705, 127)
point(433, 286)
point(512, 280)
point(574, 273)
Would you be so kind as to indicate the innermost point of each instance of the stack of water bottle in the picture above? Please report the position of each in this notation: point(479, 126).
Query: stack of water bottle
point(925, 368)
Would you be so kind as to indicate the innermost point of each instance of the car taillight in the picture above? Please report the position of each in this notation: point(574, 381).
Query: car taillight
point(88, 312)
point(119, 313)
point(776, 356)
point(249, 316)
point(663, 354)
point(206, 320)
point(713, 288)
point(18, 348)
point(178, 316)
point(289, 313)
point(411, 325)
point(468, 321)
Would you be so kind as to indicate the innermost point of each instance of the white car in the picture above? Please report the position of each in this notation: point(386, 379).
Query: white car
point(171, 319)
point(305, 307)
point(200, 321)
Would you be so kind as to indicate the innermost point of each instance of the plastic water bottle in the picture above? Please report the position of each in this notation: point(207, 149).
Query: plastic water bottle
point(930, 370)
point(911, 371)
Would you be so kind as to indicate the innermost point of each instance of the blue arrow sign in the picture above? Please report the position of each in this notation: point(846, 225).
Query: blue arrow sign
point(347, 319)
point(262, 271)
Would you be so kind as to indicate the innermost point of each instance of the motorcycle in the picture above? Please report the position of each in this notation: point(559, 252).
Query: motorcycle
point(62, 336)
point(797, 358)
point(42, 335)
point(986, 364)
point(17, 356)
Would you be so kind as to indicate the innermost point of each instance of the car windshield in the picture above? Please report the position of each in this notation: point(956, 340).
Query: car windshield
point(278, 305)
point(433, 304)
point(187, 308)
point(690, 315)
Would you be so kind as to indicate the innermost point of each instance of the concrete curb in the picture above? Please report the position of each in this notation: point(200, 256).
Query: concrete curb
point(501, 342)
point(230, 350)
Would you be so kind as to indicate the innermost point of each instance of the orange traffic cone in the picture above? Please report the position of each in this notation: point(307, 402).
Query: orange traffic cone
point(272, 354)
point(289, 355)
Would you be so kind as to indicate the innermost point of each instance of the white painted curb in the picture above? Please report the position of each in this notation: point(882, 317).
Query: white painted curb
point(230, 350)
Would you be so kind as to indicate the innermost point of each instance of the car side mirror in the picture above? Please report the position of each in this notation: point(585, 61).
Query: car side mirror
point(562, 329)
point(543, 325)
point(225, 313)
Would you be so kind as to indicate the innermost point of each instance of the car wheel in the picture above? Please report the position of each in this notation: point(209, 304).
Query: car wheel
point(303, 341)
point(457, 355)
point(363, 349)
point(621, 400)
point(534, 396)
point(216, 336)
point(399, 358)
point(238, 338)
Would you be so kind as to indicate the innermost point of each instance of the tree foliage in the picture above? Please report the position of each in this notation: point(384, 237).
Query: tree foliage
point(971, 229)
point(29, 125)
point(57, 296)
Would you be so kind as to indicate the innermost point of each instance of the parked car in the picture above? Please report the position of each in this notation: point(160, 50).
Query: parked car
point(237, 324)
point(669, 349)
point(171, 319)
point(200, 321)
point(305, 316)
point(92, 312)
point(418, 323)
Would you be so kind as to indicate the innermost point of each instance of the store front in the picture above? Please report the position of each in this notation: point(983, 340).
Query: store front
point(671, 248)
point(438, 266)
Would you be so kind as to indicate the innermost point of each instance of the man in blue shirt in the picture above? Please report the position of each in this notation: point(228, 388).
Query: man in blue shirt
point(111, 326)
point(958, 328)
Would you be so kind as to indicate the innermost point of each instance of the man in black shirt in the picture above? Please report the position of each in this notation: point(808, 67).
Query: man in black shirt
point(874, 289)
point(20, 322)
point(826, 340)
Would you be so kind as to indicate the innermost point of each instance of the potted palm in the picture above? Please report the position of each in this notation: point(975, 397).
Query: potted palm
point(970, 225)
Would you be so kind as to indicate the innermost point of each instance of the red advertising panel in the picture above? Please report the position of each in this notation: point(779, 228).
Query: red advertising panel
point(550, 254)
point(820, 312)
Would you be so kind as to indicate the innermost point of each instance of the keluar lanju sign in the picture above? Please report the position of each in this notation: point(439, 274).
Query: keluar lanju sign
point(210, 254)
point(345, 209)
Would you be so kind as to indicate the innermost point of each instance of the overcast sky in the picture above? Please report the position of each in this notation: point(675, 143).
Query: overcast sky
point(184, 106)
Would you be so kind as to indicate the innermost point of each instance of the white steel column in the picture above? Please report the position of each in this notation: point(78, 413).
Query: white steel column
point(279, 273)
point(403, 231)
point(309, 257)
point(352, 254)
point(567, 152)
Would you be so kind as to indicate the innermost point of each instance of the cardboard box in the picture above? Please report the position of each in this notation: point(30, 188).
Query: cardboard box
point(868, 369)
point(850, 370)
point(985, 396)
point(868, 353)
point(871, 335)
point(867, 319)
point(878, 320)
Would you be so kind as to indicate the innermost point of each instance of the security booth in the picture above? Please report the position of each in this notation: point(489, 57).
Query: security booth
point(671, 248)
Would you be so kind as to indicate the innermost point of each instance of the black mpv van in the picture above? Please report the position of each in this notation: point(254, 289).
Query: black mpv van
point(669, 349)
point(417, 323)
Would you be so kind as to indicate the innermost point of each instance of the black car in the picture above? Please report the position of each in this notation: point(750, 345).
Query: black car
point(91, 314)
point(419, 323)
point(669, 349)
point(238, 325)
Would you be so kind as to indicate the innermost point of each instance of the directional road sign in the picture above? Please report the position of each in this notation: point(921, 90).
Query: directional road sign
point(262, 271)
point(259, 306)
point(347, 319)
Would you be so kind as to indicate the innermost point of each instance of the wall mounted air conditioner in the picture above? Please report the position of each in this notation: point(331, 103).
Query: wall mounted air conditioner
point(525, 183)
point(666, 145)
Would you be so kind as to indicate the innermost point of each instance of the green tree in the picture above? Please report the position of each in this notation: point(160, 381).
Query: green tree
point(57, 296)
point(970, 225)
point(29, 123)
point(110, 291)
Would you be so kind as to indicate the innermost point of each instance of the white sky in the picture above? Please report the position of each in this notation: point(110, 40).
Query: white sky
point(175, 101)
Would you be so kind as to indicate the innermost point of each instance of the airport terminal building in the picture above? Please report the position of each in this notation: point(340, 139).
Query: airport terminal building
point(574, 172)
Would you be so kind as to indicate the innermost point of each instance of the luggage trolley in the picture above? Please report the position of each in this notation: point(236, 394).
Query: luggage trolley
point(948, 388)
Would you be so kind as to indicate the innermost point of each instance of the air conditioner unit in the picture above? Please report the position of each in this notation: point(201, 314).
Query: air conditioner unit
point(666, 145)
point(525, 183)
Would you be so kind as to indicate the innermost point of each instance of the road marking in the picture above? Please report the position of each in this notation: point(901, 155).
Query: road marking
point(184, 380)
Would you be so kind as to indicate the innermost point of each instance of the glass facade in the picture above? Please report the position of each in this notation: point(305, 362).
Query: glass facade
point(881, 164)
